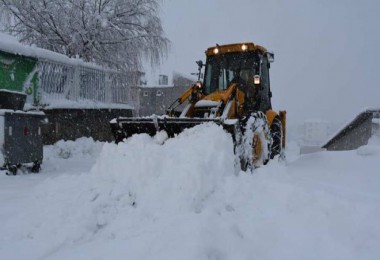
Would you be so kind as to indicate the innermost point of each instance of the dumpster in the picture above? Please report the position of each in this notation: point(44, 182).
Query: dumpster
point(21, 140)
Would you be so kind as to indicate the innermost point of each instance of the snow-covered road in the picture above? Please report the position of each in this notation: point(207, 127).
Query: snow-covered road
point(183, 200)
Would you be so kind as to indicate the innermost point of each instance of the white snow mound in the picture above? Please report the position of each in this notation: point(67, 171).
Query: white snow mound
point(180, 174)
point(158, 198)
point(372, 148)
point(82, 147)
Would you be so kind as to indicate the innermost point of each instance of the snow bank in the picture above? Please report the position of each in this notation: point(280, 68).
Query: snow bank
point(132, 187)
point(81, 148)
point(182, 173)
point(373, 146)
point(182, 200)
point(368, 150)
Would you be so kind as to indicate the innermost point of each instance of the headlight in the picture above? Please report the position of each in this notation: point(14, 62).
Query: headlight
point(216, 51)
point(244, 47)
point(256, 79)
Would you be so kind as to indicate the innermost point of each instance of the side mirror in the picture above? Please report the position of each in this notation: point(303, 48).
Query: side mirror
point(199, 63)
point(256, 80)
point(270, 57)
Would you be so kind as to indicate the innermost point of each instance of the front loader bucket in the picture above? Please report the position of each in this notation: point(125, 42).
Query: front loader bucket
point(124, 127)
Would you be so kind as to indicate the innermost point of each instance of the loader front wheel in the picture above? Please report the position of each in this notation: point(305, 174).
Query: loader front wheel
point(256, 142)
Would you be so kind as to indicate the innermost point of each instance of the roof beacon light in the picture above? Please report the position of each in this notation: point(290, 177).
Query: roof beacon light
point(244, 47)
point(216, 51)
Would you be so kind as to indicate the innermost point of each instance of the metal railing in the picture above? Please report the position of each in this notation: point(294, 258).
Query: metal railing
point(59, 82)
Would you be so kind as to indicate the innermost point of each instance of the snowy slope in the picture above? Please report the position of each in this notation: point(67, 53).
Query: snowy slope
point(182, 200)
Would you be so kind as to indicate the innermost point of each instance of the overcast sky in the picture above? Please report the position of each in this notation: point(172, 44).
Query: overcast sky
point(327, 56)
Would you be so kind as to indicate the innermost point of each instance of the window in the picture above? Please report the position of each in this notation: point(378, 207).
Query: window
point(145, 93)
point(224, 69)
point(159, 93)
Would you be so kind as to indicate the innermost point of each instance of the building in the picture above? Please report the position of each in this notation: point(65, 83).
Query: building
point(148, 100)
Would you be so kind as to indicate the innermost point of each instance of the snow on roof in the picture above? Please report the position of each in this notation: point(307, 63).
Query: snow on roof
point(10, 111)
point(2, 90)
point(154, 86)
point(186, 76)
point(11, 44)
point(84, 104)
point(152, 78)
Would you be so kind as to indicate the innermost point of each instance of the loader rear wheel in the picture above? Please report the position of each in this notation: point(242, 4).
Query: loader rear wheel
point(276, 131)
point(256, 142)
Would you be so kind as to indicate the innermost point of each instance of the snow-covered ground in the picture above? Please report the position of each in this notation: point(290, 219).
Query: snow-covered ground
point(183, 200)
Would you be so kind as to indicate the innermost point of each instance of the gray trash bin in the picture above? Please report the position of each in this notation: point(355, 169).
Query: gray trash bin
point(21, 140)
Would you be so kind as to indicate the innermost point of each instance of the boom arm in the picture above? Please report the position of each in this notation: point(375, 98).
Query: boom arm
point(193, 94)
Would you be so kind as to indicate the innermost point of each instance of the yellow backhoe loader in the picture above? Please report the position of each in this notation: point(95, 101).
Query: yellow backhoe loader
point(235, 93)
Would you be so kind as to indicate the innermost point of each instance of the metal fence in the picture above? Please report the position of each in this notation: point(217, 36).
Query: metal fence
point(61, 82)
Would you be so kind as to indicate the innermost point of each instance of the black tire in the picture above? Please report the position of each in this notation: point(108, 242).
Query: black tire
point(12, 170)
point(36, 167)
point(277, 133)
point(256, 142)
point(119, 136)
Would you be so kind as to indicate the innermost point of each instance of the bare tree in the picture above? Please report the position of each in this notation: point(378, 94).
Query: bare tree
point(115, 33)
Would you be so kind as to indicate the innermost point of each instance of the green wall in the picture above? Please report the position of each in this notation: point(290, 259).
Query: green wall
point(19, 73)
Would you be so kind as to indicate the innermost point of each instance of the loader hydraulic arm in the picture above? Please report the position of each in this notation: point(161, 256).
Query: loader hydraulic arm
point(228, 93)
point(185, 95)
point(193, 94)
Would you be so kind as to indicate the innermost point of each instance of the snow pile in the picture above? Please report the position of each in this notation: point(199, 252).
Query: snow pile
point(80, 148)
point(180, 174)
point(70, 157)
point(132, 187)
point(181, 199)
point(373, 146)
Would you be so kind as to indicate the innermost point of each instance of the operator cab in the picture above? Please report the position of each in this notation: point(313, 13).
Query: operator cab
point(248, 67)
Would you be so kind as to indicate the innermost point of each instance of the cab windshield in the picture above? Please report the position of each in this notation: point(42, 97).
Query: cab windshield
point(224, 69)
